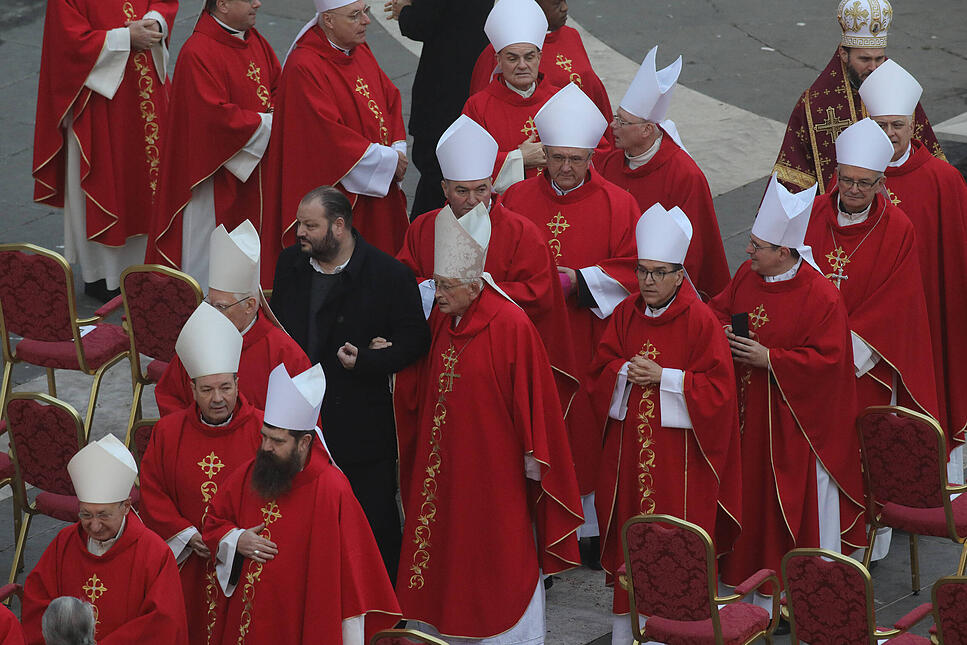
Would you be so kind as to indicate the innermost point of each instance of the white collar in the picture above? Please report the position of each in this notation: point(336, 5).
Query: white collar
point(529, 92)
point(216, 425)
point(560, 191)
point(98, 547)
point(788, 275)
point(654, 313)
point(335, 46)
point(318, 267)
point(903, 158)
point(640, 160)
point(850, 219)
point(251, 324)
point(235, 32)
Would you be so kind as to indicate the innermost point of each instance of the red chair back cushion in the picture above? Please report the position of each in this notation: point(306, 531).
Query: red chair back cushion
point(902, 457)
point(828, 601)
point(45, 439)
point(951, 609)
point(159, 305)
point(669, 572)
point(33, 293)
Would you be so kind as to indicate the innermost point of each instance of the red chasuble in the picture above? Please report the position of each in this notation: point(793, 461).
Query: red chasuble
point(825, 109)
point(934, 196)
point(264, 346)
point(521, 264)
point(328, 567)
point(593, 225)
point(672, 178)
point(181, 470)
point(801, 411)
point(329, 108)
point(694, 474)
point(134, 587)
point(563, 60)
point(11, 632)
point(119, 138)
point(221, 85)
point(466, 415)
point(874, 265)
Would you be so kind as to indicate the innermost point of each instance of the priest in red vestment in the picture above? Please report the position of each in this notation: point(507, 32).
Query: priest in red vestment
point(517, 258)
point(11, 631)
point(801, 482)
point(221, 94)
point(866, 247)
point(563, 60)
point(295, 556)
point(101, 108)
point(832, 103)
point(589, 225)
point(677, 452)
point(925, 186)
point(191, 453)
point(651, 164)
point(109, 558)
point(486, 512)
point(338, 121)
point(233, 290)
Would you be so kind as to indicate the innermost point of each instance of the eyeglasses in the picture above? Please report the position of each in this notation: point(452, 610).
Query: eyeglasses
point(575, 160)
point(862, 184)
point(622, 123)
point(102, 516)
point(357, 15)
point(224, 308)
point(759, 247)
point(657, 275)
point(449, 288)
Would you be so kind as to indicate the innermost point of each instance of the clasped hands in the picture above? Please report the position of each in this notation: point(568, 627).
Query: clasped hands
point(747, 350)
point(643, 371)
point(144, 33)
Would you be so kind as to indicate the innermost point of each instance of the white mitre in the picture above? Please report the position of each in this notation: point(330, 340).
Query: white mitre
point(865, 23)
point(651, 91)
point(460, 246)
point(864, 145)
point(516, 21)
point(103, 472)
point(329, 5)
point(234, 259)
point(293, 403)
point(466, 151)
point(890, 90)
point(570, 119)
point(663, 235)
point(209, 343)
point(783, 217)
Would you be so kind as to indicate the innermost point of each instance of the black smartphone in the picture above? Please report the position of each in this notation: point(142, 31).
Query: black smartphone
point(740, 324)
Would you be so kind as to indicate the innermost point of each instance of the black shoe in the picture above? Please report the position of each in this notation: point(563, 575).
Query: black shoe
point(99, 291)
point(548, 582)
point(590, 549)
point(783, 628)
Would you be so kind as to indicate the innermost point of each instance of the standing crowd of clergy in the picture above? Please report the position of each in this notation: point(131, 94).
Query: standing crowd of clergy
point(431, 418)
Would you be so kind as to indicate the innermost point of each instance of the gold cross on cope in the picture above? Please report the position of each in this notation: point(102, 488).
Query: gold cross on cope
point(361, 87)
point(758, 317)
point(558, 225)
point(529, 127)
point(270, 512)
point(649, 351)
point(832, 125)
point(94, 588)
point(211, 464)
point(838, 261)
point(254, 73)
point(563, 62)
point(449, 362)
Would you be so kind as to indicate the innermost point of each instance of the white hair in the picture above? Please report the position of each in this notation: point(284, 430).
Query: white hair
point(68, 621)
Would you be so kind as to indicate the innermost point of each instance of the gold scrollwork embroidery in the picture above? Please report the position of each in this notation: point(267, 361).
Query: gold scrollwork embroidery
point(567, 65)
point(645, 436)
point(757, 319)
point(557, 225)
point(210, 466)
point(362, 88)
point(149, 116)
point(529, 128)
point(93, 589)
point(270, 513)
point(254, 74)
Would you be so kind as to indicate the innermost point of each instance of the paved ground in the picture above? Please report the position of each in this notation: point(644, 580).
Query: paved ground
point(745, 65)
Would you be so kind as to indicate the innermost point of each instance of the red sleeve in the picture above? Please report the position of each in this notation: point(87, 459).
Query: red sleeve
point(173, 391)
point(410, 254)
point(158, 511)
point(168, 10)
point(607, 362)
point(483, 70)
point(624, 251)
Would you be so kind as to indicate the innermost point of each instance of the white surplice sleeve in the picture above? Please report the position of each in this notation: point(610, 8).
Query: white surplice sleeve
point(224, 560)
point(159, 52)
point(108, 71)
point(374, 173)
point(245, 160)
point(619, 399)
point(606, 291)
point(179, 544)
point(671, 398)
point(864, 356)
point(353, 630)
point(511, 172)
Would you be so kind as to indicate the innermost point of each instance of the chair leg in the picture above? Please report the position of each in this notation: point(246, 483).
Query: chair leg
point(95, 388)
point(51, 382)
point(18, 551)
point(963, 559)
point(870, 540)
point(4, 388)
point(135, 414)
point(914, 563)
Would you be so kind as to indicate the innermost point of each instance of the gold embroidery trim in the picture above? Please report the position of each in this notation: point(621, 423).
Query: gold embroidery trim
point(93, 589)
point(270, 513)
point(362, 88)
point(566, 64)
point(557, 225)
point(254, 74)
point(210, 466)
point(757, 319)
point(529, 128)
point(646, 453)
point(149, 114)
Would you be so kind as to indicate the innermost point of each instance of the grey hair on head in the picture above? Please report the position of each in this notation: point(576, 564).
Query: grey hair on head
point(68, 621)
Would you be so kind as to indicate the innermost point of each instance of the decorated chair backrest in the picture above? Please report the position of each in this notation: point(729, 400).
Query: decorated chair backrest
point(45, 437)
point(158, 305)
point(828, 600)
point(34, 296)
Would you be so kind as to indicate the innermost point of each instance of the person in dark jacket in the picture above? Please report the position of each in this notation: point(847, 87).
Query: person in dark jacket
point(357, 311)
point(452, 35)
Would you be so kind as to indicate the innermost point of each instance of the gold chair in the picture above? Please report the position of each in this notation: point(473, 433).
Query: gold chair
point(404, 637)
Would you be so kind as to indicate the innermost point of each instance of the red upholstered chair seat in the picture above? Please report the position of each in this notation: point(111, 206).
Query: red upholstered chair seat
point(950, 609)
point(739, 622)
point(103, 343)
point(926, 521)
point(155, 369)
point(61, 507)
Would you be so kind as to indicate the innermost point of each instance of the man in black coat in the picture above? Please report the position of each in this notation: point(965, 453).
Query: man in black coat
point(357, 311)
point(453, 37)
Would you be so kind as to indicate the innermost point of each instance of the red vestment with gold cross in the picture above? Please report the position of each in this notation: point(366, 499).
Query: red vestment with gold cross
point(181, 470)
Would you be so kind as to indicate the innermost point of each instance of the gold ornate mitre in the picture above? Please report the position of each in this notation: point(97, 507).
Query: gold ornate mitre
point(865, 23)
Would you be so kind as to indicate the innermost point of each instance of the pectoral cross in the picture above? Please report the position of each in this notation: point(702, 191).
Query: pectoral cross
point(529, 127)
point(361, 87)
point(838, 261)
point(832, 125)
point(449, 362)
